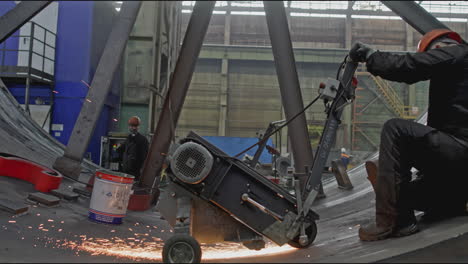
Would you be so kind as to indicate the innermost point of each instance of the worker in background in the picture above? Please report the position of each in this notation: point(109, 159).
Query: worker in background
point(439, 149)
point(344, 158)
point(134, 149)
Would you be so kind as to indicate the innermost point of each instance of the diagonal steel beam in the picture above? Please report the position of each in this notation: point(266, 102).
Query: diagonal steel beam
point(415, 15)
point(179, 84)
point(70, 163)
point(368, 138)
point(289, 85)
point(369, 104)
point(18, 16)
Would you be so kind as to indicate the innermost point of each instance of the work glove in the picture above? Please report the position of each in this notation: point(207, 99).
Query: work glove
point(360, 52)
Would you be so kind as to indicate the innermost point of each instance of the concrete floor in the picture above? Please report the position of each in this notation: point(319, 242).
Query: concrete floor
point(51, 234)
point(64, 234)
point(450, 251)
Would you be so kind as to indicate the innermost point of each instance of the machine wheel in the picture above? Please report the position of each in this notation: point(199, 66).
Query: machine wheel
point(181, 248)
point(311, 233)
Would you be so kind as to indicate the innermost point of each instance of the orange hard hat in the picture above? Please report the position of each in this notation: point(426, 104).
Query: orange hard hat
point(430, 36)
point(134, 121)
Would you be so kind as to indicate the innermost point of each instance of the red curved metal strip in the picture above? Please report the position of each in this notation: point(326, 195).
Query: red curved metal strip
point(43, 178)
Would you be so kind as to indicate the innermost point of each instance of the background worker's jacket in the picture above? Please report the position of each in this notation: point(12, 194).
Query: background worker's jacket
point(134, 151)
point(345, 159)
point(447, 69)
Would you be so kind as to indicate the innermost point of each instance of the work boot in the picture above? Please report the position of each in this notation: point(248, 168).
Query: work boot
point(373, 232)
point(372, 168)
point(406, 230)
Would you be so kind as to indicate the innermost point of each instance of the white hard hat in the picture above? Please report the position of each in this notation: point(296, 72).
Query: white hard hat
point(343, 150)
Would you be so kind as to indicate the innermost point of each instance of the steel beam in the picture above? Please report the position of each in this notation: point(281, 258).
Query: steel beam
point(415, 15)
point(179, 84)
point(289, 85)
point(156, 66)
point(331, 11)
point(70, 163)
point(18, 16)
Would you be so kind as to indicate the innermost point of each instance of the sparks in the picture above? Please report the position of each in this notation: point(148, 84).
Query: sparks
point(87, 85)
point(152, 250)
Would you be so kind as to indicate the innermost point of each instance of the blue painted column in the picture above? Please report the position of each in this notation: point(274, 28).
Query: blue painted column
point(79, 45)
point(72, 63)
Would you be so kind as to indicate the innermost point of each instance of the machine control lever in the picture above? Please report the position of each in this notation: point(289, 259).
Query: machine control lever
point(246, 198)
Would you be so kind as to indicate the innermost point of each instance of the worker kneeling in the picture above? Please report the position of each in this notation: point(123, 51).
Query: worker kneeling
point(439, 150)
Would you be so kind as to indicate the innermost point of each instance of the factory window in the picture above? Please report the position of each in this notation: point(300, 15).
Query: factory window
point(370, 5)
point(247, 3)
point(319, 4)
point(460, 7)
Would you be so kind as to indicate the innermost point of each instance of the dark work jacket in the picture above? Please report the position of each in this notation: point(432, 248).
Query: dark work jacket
point(134, 151)
point(447, 70)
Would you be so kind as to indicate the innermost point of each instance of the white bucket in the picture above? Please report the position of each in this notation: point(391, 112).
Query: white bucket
point(109, 200)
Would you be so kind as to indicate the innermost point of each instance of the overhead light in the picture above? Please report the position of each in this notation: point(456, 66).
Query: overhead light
point(449, 19)
point(317, 15)
point(377, 17)
point(252, 13)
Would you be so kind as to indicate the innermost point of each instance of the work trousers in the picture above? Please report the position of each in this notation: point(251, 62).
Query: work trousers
point(437, 155)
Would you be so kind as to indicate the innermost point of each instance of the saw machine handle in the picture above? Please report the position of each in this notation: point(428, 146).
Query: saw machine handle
point(344, 95)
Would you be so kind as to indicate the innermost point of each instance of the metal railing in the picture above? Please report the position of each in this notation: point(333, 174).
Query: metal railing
point(31, 69)
point(390, 95)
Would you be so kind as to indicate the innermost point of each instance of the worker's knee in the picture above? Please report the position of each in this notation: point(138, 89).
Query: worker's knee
point(393, 128)
point(394, 124)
